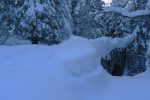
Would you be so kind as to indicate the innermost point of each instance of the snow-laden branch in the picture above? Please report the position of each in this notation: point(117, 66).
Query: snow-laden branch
point(125, 12)
point(105, 45)
point(124, 42)
point(132, 36)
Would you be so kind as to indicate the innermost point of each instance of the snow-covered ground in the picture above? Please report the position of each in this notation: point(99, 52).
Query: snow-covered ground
point(68, 71)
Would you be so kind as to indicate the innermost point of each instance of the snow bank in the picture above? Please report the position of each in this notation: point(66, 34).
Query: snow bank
point(69, 71)
point(75, 54)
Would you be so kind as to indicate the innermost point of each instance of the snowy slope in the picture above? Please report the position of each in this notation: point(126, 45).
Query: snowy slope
point(69, 71)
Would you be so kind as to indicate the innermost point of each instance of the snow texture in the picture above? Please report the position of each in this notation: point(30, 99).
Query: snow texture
point(69, 71)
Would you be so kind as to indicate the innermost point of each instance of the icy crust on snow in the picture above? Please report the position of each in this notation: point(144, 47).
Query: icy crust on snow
point(69, 71)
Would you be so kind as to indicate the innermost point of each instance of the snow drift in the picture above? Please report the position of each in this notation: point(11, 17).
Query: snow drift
point(69, 71)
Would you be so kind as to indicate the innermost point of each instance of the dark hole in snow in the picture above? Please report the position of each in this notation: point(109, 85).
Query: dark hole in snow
point(117, 70)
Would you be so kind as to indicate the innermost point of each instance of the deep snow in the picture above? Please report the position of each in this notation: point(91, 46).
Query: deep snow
point(69, 71)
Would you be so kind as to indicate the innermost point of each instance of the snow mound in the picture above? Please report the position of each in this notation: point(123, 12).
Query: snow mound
point(69, 71)
point(77, 55)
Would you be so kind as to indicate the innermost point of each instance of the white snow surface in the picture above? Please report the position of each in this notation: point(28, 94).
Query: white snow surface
point(68, 71)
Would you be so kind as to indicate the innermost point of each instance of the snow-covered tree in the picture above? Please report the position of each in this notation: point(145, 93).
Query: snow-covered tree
point(116, 25)
point(112, 24)
point(45, 21)
point(139, 47)
point(134, 5)
point(84, 14)
point(119, 3)
point(6, 17)
point(139, 15)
